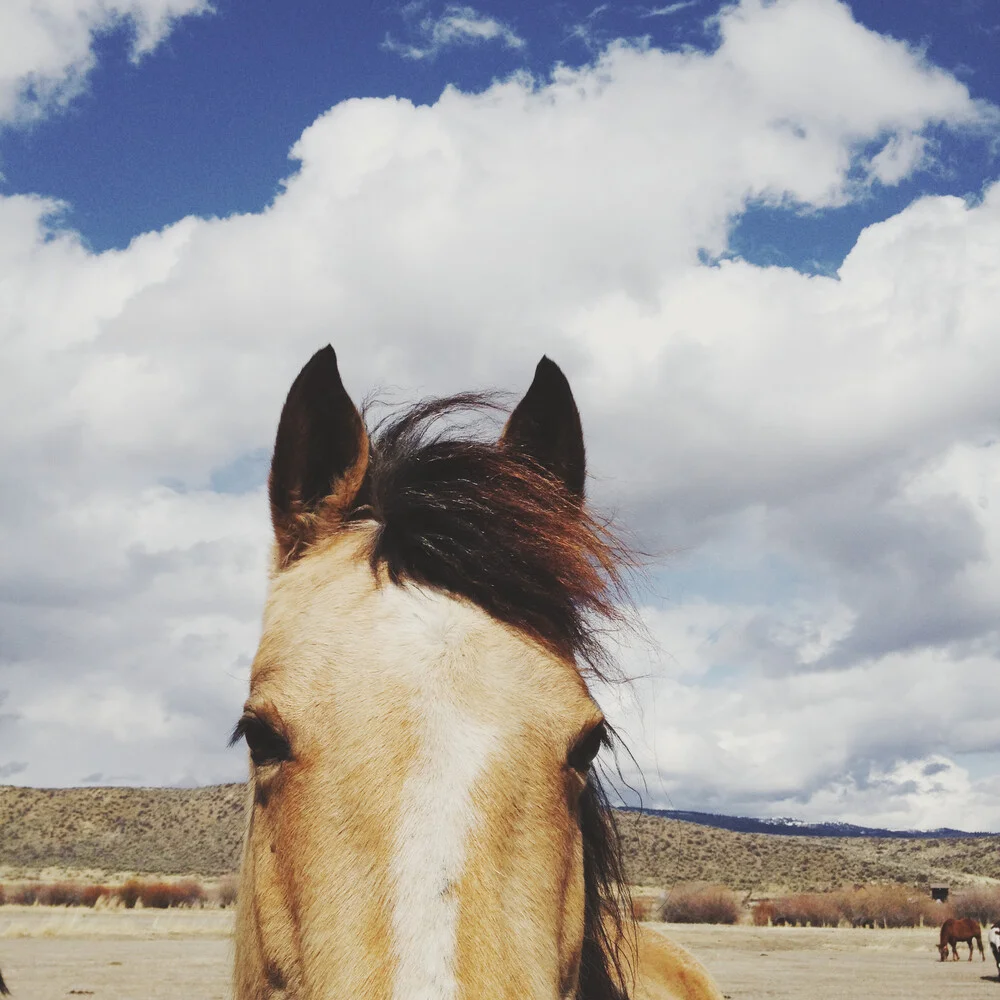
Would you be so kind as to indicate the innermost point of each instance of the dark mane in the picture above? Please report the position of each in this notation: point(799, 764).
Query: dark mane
point(487, 523)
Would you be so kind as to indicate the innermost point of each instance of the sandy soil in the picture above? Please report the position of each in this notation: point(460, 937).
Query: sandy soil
point(176, 955)
point(48, 953)
point(782, 963)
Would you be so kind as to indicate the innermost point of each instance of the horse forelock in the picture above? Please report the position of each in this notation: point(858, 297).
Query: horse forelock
point(485, 522)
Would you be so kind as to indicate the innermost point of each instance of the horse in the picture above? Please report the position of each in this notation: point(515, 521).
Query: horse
point(993, 936)
point(424, 816)
point(4, 992)
point(956, 929)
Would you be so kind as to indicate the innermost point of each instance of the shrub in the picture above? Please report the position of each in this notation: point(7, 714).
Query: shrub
point(59, 894)
point(890, 906)
point(806, 909)
point(157, 895)
point(24, 894)
point(90, 894)
point(982, 902)
point(161, 895)
point(228, 888)
point(866, 906)
point(129, 893)
point(700, 904)
point(188, 892)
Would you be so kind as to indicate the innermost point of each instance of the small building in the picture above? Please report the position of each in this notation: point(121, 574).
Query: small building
point(940, 893)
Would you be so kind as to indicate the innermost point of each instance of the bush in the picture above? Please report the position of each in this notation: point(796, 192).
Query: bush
point(59, 894)
point(700, 904)
point(866, 906)
point(90, 894)
point(188, 892)
point(129, 893)
point(24, 894)
point(157, 895)
point(227, 890)
point(161, 895)
point(980, 902)
point(892, 906)
point(806, 909)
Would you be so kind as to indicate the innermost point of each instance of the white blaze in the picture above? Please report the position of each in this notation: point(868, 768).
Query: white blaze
point(436, 811)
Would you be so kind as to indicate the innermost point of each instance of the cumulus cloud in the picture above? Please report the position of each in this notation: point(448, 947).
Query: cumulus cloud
point(46, 45)
point(881, 741)
point(458, 25)
point(817, 452)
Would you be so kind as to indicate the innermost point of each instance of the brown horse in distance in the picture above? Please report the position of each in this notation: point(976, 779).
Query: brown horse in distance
point(956, 929)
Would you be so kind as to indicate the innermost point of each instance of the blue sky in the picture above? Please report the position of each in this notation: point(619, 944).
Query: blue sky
point(762, 239)
point(203, 124)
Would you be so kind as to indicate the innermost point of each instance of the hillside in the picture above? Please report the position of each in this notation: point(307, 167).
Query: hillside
point(173, 830)
point(198, 831)
point(664, 851)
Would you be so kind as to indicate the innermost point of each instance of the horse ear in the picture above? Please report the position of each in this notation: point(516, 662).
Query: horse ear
point(545, 425)
point(320, 457)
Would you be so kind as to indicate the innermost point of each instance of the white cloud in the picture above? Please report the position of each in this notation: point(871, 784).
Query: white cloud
point(670, 8)
point(898, 158)
point(712, 729)
point(816, 448)
point(46, 45)
point(458, 25)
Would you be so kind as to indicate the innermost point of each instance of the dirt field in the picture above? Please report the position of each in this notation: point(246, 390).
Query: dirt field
point(176, 955)
point(48, 953)
point(782, 963)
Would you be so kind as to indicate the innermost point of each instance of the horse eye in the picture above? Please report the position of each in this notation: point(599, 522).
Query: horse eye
point(587, 747)
point(266, 744)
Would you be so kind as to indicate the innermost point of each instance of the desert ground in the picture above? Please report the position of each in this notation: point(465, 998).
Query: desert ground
point(48, 953)
point(825, 963)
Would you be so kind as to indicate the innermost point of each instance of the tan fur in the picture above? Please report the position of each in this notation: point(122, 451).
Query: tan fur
point(317, 894)
point(668, 972)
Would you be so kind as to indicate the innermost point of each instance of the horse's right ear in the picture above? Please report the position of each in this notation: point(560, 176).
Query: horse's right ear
point(320, 457)
point(545, 426)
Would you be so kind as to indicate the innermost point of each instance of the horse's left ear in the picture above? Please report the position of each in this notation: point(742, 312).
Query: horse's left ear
point(545, 425)
point(320, 457)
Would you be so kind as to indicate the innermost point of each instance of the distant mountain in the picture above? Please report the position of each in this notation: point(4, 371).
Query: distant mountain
point(788, 827)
